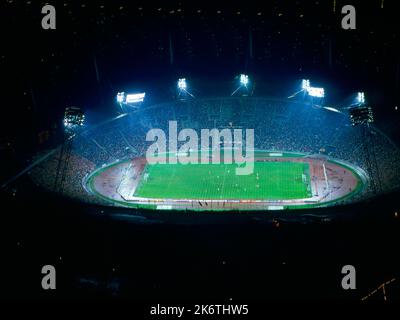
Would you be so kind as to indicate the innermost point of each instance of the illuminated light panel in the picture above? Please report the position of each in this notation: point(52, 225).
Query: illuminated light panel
point(135, 97)
point(360, 97)
point(182, 85)
point(316, 92)
point(305, 84)
point(244, 79)
point(120, 97)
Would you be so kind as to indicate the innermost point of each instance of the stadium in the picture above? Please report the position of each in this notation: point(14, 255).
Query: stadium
point(305, 156)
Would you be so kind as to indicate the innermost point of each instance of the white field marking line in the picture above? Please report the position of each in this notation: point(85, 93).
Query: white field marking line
point(308, 175)
point(311, 175)
point(135, 182)
point(326, 178)
point(314, 174)
point(122, 181)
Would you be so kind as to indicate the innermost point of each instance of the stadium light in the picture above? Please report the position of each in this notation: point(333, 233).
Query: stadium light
point(305, 84)
point(360, 98)
point(244, 79)
point(316, 92)
point(312, 91)
point(182, 85)
point(121, 97)
point(135, 97)
point(244, 88)
point(131, 98)
point(183, 92)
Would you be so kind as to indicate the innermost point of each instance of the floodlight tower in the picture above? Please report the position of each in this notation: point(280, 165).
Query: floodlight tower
point(121, 97)
point(132, 100)
point(360, 98)
point(313, 92)
point(362, 115)
point(310, 91)
point(305, 84)
point(244, 80)
point(121, 100)
point(74, 120)
point(182, 87)
point(244, 85)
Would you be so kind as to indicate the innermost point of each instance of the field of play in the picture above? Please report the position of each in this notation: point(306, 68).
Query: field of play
point(279, 180)
point(269, 181)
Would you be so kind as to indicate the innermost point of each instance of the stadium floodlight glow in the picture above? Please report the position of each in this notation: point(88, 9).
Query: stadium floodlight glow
point(135, 97)
point(121, 97)
point(316, 92)
point(183, 93)
point(312, 91)
point(244, 79)
point(305, 84)
point(360, 97)
point(182, 85)
point(244, 87)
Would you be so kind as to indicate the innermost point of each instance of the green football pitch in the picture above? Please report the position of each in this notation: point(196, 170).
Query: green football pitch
point(269, 181)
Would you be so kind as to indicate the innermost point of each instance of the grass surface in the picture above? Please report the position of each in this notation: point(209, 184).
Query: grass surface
point(269, 181)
